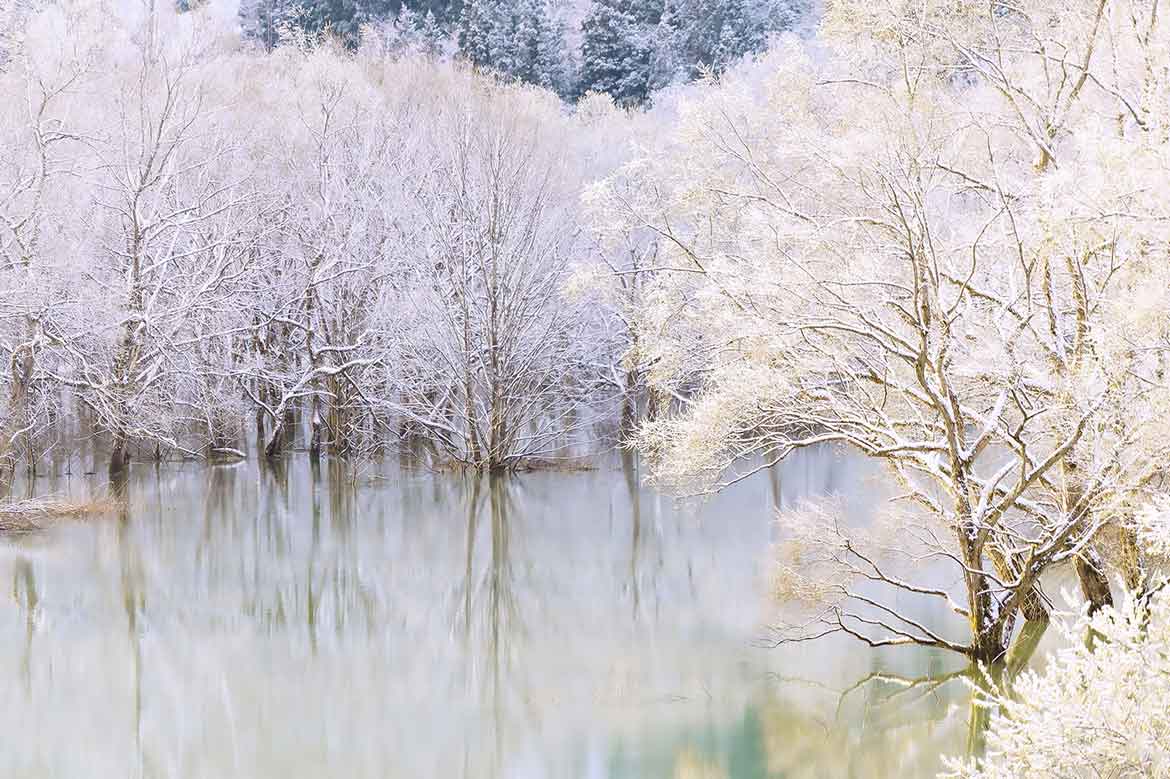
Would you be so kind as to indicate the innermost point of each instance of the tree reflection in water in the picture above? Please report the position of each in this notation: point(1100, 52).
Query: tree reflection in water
point(290, 620)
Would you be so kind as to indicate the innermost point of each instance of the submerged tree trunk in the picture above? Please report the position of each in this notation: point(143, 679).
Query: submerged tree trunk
point(15, 428)
point(628, 423)
point(275, 440)
point(119, 456)
point(260, 438)
point(1094, 583)
point(1132, 563)
point(987, 643)
point(657, 404)
point(127, 355)
point(315, 429)
point(979, 720)
point(1003, 672)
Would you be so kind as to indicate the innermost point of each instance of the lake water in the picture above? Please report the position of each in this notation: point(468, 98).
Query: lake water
point(234, 621)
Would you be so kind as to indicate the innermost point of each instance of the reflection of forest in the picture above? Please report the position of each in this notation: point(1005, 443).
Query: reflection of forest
point(239, 621)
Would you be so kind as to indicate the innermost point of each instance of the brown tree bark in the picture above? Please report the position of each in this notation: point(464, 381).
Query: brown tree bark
point(1032, 604)
point(1094, 583)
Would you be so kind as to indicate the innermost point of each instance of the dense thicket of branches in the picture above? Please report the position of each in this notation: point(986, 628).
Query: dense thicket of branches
point(204, 245)
point(940, 239)
point(938, 236)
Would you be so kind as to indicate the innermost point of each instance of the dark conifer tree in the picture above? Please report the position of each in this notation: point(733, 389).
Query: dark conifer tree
point(615, 53)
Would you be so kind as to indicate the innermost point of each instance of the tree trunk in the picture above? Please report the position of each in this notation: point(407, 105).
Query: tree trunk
point(1032, 604)
point(987, 645)
point(272, 448)
point(629, 418)
point(1094, 583)
point(1132, 563)
point(656, 404)
point(315, 431)
point(119, 456)
point(21, 369)
point(262, 396)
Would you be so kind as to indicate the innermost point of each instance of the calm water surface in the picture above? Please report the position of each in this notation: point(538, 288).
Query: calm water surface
point(239, 622)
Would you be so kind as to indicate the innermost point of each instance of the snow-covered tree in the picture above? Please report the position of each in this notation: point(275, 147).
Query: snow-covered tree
point(1120, 71)
point(616, 49)
point(38, 134)
point(1099, 709)
point(13, 14)
point(496, 369)
point(147, 228)
point(924, 288)
point(697, 37)
point(629, 50)
point(195, 233)
point(272, 21)
point(517, 39)
point(313, 346)
point(409, 33)
point(343, 18)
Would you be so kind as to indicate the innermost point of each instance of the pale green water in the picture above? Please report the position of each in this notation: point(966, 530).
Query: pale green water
point(233, 623)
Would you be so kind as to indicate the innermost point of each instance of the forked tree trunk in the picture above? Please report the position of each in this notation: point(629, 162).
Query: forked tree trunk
point(987, 640)
point(1032, 604)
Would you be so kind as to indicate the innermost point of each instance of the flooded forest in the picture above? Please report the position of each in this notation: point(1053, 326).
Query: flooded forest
point(567, 389)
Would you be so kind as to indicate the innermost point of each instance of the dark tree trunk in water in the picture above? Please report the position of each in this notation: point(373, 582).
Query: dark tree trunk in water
point(272, 448)
point(21, 370)
point(259, 428)
point(262, 395)
point(1133, 566)
point(999, 673)
point(1094, 582)
point(655, 404)
point(629, 418)
point(119, 456)
point(315, 435)
point(979, 719)
point(291, 424)
point(987, 644)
